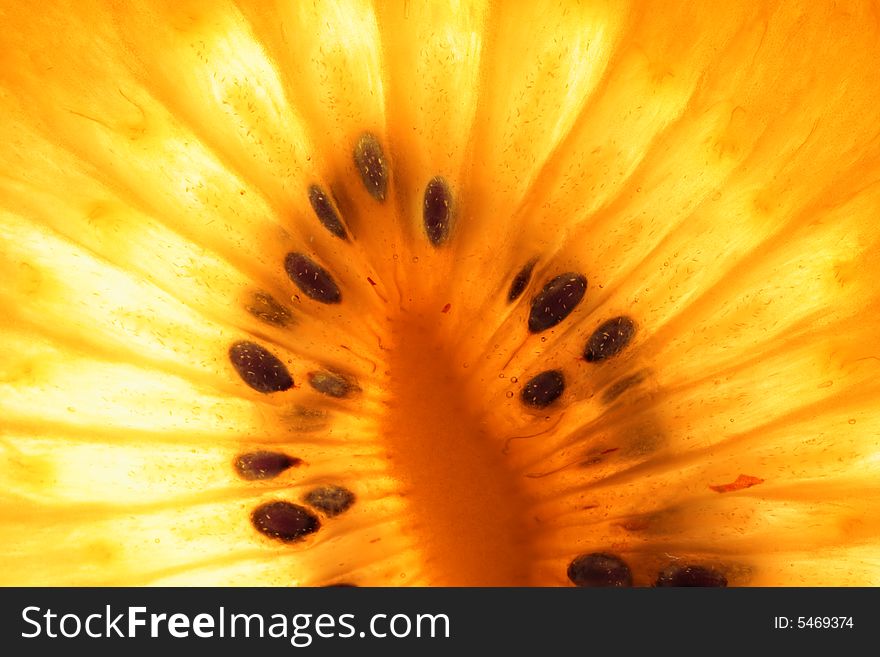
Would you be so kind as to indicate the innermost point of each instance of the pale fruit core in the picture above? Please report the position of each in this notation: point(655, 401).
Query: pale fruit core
point(468, 513)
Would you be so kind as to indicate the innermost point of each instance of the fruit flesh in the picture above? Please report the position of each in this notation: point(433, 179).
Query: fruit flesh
point(720, 189)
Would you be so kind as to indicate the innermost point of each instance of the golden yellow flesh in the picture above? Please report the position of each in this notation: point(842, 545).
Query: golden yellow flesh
point(714, 172)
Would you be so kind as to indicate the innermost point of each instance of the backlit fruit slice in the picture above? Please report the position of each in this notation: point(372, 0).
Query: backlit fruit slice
point(440, 293)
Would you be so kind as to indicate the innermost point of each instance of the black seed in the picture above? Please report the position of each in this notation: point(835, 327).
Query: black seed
point(620, 386)
point(556, 301)
point(598, 569)
point(263, 465)
point(544, 389)
point(332, 500)
point(437, 211)
point(691, 576)
point(370, 162)
point(284, 521)
point(263, 306)
point(312, 279)
point(520, 281)
point(609, 339)
point(258, 368)
point(325, 212)
point(332, 384)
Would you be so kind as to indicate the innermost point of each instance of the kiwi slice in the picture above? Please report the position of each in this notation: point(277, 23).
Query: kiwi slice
point(439, 294)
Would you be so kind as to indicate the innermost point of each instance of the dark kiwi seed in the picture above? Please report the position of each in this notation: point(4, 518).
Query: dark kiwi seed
point(543, 389)
point(284, 521)
point(609, 339)
point(332, 500)
point(325, 212)
point(370, 162)
point(332, 384)
point(520, 281)
point(556, 300)
point(258, 368)
point(691, 576)
point(263, 465)
point(437, 210)
point(620, 386)
point(313, 280)
point(599, 569)
point(265, 307)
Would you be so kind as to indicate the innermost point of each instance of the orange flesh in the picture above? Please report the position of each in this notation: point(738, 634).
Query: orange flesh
point(721, 189)
point(468, 511)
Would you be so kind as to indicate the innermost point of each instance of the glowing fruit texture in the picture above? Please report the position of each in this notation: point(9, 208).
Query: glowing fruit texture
point(434, 293)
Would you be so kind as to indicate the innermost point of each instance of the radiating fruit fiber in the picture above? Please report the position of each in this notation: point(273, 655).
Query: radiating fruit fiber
point(440, 293)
